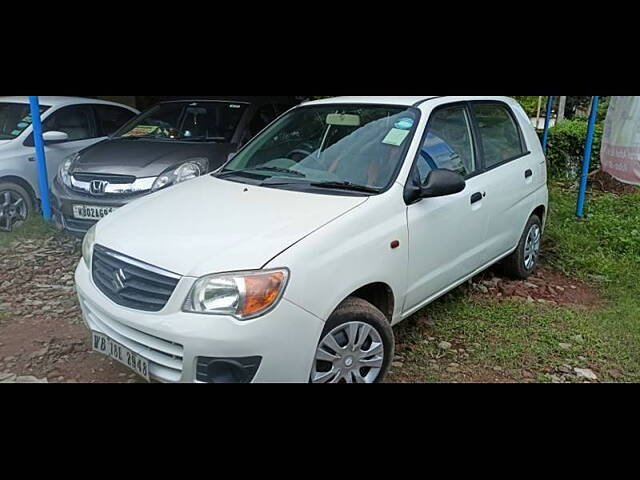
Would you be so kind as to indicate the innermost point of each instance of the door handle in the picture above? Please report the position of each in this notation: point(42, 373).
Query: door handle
point(31, 159)
point(528, 174)
point(476, 197)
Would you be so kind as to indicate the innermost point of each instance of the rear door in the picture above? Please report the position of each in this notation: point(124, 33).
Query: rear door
point(446, 234)
point(510, 173)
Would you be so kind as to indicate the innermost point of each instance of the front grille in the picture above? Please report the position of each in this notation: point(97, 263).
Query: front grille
point(131, 283)
point(165, 357)
point(112, 179)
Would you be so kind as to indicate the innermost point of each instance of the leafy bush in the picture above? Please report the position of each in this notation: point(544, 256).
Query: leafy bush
point(530, 105)
point(565, 148)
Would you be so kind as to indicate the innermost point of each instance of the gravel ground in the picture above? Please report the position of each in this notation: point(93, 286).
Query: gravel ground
point(42, 336)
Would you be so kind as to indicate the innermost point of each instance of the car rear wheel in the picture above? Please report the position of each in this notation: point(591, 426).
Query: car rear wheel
point(356, 345)
point(15, 206)
point(522, 263)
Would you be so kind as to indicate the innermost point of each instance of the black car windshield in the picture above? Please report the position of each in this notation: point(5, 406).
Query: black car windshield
point(337, 146)
point(15, 118)
point(186, 121)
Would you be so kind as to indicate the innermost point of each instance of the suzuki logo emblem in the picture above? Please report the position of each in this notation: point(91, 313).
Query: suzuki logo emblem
point(98, 187)
point(118, 280)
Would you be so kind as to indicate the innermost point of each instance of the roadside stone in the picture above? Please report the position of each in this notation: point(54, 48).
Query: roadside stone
point(397, 364)
point(30, 379)
point(483, 288)
point(578, 339)
point(585, 373)
point(565, 368)
point(9, 359)
point(565, 346)
point(527, 374)
point(444, 345)
point(7, 377)
point(497, 369)
point(431, 339)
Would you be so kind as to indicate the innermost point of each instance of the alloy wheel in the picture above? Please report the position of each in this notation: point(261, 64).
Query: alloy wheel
point(13, 210)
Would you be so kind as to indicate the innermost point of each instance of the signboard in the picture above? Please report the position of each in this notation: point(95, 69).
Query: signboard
point(620, 151)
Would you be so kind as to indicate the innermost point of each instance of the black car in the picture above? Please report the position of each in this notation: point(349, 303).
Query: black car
point(172, 142)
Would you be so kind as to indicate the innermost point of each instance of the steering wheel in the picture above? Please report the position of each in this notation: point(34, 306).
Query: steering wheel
point(300, 152)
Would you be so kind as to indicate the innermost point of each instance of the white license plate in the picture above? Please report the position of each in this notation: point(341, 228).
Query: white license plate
point(89, 212)
point(103, 344)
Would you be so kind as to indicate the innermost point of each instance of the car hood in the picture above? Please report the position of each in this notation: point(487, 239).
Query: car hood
point(146, 158)
point(208, 225)
point(4, 142)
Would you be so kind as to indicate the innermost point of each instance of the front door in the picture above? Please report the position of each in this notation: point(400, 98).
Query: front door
point(446, 234)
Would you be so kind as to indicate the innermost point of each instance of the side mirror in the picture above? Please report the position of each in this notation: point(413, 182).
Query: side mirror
point(442, 182)
point(54, 137)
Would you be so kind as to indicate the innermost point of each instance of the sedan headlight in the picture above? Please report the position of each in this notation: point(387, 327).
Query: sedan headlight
point(65, 168)
point(243, 295)
point(184, 172)
point(87, 246)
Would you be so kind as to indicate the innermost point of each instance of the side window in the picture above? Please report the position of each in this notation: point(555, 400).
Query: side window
point(447, 144)
point(110, 118)
point(75, 121)
point(499, 134)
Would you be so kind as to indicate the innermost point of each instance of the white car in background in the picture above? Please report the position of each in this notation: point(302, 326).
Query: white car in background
point(69, 124)
point(293, 261)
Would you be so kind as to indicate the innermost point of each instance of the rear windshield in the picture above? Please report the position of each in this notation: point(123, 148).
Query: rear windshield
point(186, 121)
point(15, 118)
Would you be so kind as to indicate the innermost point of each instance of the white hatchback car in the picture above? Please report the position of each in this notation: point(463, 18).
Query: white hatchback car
point(293, 261)
point(69, 124)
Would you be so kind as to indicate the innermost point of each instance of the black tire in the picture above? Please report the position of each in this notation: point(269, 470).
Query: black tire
point(14, 217)
point(514, 265)
point(355, 309)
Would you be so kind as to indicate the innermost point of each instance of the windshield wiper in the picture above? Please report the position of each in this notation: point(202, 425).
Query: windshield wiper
point(258, 169)
point(346, 186)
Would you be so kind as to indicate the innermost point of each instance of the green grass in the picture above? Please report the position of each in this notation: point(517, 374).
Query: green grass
point(603, 250)
point(34, 227)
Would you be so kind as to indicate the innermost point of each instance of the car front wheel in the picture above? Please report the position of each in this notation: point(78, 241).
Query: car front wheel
point(356, 345)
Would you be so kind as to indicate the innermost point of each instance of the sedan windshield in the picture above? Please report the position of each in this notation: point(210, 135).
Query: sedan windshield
point(338, 147)
point(186, 121)
point(15, 118)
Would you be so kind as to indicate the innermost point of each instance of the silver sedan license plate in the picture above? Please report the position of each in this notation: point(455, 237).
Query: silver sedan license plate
point(103, 344)
point(90, 212)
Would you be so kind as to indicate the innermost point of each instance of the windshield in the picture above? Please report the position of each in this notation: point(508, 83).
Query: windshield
point(357, 147)
point(186, 121)
point(15, 118)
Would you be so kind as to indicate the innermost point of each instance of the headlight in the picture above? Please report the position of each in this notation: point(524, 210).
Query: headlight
point(87, 246)
point(184, 172)
point(243, 295)
point(65, 168)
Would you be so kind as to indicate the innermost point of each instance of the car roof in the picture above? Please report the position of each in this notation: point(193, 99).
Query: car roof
point(232, 99)
point(399, 100)
point(374, 99)
point(58, 101)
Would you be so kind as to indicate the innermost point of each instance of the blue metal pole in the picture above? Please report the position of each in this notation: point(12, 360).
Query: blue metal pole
point(41, 161)
point(587, 157)
point(547, 120)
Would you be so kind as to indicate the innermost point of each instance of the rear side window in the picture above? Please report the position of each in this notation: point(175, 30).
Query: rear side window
point(447, 144)
point(499, 134)
point(110, 118)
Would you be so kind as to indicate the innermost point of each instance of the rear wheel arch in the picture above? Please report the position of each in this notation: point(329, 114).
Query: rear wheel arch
point(23, 183)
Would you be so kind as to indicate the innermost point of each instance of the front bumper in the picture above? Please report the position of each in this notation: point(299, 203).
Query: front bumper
point(63, 199)
point(172, 340)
